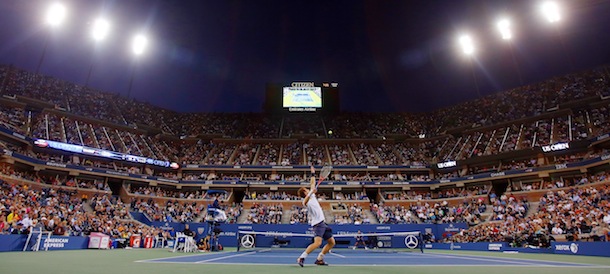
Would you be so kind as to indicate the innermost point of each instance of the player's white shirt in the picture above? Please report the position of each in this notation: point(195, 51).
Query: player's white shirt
point(314, 210)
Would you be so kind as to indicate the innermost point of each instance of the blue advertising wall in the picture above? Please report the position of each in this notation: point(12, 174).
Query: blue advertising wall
point(16, 242)
point(229, 238)
point(582, 248)
point(12, 242)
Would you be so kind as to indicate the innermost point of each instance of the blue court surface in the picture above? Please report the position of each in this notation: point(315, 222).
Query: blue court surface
point(358, 258)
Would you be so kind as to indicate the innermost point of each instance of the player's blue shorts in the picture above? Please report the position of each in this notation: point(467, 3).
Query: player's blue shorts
point(322, 230)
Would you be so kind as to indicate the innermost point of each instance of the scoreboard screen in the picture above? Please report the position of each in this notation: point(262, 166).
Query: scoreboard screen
point(302, 97)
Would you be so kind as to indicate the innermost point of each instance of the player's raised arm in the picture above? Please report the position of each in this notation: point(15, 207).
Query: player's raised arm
point(312, 185)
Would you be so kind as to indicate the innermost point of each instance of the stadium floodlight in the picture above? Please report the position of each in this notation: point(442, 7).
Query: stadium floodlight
point(99, 31)
point(467, 44)
point(139, 44)
point(56, 14)
point(504, 29)
point(550, 10)
point(101, 28)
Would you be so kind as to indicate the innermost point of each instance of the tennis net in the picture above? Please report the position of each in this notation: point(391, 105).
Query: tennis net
point(395, 241)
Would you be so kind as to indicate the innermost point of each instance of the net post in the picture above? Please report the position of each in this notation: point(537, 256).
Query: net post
point(238, 240)
point(421, 242)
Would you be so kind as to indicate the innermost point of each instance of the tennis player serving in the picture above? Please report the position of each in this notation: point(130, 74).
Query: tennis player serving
point(316, 220)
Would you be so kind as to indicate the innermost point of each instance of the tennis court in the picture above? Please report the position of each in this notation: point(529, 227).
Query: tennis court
point(348, 257)
point(282, 261)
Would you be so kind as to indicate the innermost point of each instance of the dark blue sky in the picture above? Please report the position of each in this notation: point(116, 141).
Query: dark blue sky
point(217, 56)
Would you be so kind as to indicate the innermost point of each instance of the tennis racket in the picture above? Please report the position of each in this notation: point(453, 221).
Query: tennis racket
point(324, 174)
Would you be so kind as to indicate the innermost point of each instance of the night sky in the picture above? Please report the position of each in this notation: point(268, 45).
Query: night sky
point(217, 56)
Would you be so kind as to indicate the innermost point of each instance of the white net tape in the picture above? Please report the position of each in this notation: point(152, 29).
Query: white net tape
point(342, 235)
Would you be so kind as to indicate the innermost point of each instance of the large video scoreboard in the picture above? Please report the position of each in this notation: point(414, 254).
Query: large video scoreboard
point(302, 97)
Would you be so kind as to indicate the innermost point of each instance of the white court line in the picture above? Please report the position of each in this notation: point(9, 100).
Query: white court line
point(185, 256)
point(427, 256)
point(162, 262)
point(338, 255)
point(157, 261)
point(226, 257)
point(404, 265)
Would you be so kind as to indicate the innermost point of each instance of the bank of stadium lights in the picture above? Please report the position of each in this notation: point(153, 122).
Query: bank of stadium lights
point(504, 29)
point(100, 29)
point(466, 44)
point(56, 14)
point(139, 44)
point(551, 11)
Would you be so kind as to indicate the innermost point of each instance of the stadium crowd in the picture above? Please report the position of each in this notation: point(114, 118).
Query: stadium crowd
point(166, 192)
point(61, 211)
point(392, 214)
point(298, 215)
point(441, 212)
point(575, 213)
point(518, 119)
point(265, 214)
point(84, 116)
